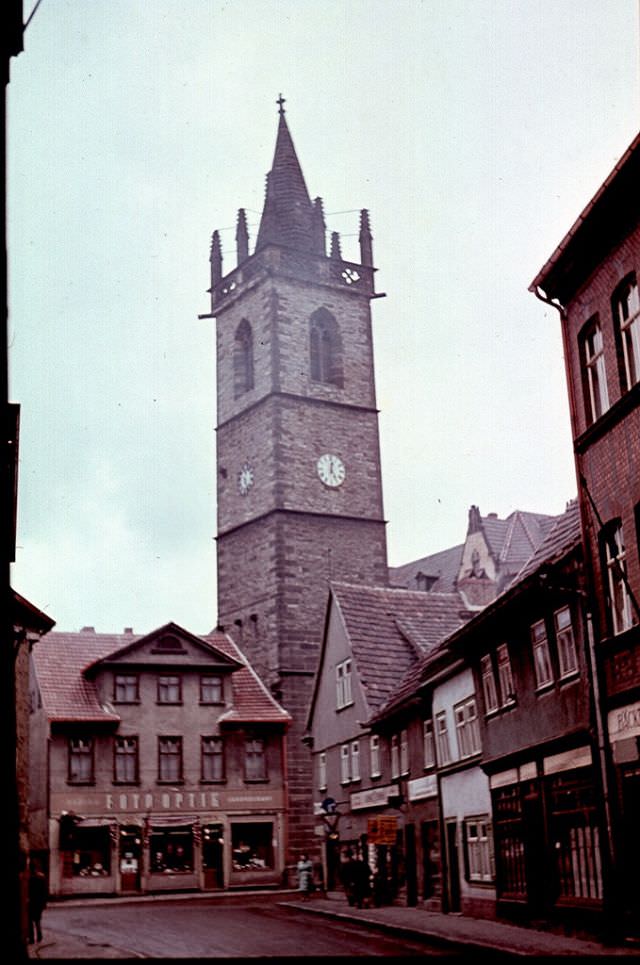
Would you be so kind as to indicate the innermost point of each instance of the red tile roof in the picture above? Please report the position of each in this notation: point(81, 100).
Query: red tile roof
point(68, 694)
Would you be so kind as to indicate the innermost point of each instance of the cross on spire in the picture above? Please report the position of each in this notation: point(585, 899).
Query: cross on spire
point(281, 102)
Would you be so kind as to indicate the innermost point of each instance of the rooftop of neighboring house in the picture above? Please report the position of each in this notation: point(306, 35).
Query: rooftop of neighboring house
point(562, 537)
point(66, 663)
point(390, 628)
point(509, 542)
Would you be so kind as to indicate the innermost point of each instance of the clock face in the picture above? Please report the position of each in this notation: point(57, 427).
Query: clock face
point(331, 470)
point(245, 479)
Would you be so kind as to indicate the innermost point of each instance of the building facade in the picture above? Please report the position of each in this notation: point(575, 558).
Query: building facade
point(298, 484)
point(592, 279)
point(158, 763)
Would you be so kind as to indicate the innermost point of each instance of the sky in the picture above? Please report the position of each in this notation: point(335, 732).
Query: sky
point(474, 131)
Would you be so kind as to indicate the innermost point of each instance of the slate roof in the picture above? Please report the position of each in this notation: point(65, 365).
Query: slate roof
point(287, 215)
point(561, 537)
point(511, 541)
point(443, 565)
point(389, 628)
point(68, 694)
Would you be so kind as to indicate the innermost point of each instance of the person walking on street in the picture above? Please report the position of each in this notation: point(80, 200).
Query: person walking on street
point(38, 895)
point(305, 876)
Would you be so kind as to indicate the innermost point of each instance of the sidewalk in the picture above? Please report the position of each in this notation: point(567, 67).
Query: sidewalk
point(464, 933)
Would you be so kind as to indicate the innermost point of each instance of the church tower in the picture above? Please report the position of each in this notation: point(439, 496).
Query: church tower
point(298, 462)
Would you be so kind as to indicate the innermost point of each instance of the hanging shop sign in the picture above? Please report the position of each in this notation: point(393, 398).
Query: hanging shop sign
point(382, 830)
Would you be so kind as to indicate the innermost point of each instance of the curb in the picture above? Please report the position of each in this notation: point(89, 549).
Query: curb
point(405, 931)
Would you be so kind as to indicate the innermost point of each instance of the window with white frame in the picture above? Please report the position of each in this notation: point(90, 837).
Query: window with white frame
point(626, 308)
point(322, 771)
point(80, 760)
point(594, 372)
point(429, 744)
point(343, 684)
point(480, 860)
point(505, 676)
point(567, 656)
point(489, 689)
point(616, 570)
point(404, 752)
point(395, 755)
point(345, 759)
point(541, 658)
point(442, 739)
point(465, 715)
point(374, 753)
point(355, 760)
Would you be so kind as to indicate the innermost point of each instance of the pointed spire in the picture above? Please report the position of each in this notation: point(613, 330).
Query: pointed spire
point(287, 214)
point(242, 236)
point(366, 239)
point(335, 246)
point(215, 259)
point(319, 228)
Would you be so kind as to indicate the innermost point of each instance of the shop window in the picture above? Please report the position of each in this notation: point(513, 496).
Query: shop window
point(80, 750)
point(243, 359)
point(169, 689)
point(574, 829)
point(125, 764)
point(510, 837)
point(374, 753)
point(345, 764)
point(479, 849)
point(255, 759)
point(489, 689)
point(91, 854)
point(252, 846)
point(467, 728)
point(567, 656)
point(211, 689)
point(626, 313)
point(169, 759)
point(212, 759)
point(171, 850)
point(505, 676)
point(613, 555)
point(429, 745)
point(125, 689)
point(593, 370)
point(442, 739)
point(355, 760)
point(541, 658)
point(322, 771)
point(343, 684)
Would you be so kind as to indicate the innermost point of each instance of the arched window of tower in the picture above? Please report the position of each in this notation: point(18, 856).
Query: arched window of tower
point(243, 359)
point(325, 349)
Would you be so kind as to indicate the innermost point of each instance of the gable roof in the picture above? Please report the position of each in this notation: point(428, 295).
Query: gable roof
point(444, 566)
point(388, 629)
point(63, 662)
point(563, 536)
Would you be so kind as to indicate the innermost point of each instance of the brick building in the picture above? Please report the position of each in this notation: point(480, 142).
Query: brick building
point(158, 763)
point(298, 484)
point(592, 279)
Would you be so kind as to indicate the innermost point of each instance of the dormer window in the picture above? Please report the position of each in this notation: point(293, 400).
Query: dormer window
point(425, 582)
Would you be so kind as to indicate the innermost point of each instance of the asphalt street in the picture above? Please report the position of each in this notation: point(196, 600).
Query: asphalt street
point(256, 927)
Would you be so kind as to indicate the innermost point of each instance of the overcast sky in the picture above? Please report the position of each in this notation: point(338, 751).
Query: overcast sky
point(475, 131)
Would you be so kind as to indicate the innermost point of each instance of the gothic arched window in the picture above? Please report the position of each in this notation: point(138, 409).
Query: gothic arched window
point(243, 359)
point(325, 349)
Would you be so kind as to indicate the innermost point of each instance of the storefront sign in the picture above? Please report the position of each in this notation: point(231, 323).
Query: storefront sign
point(624, 722)
point(382, 830)
point(141, 802)
point(422, 787)
point(622, 670)
point(373, 797)
point(567, 761)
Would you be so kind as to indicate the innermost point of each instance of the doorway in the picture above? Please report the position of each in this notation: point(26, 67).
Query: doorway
point(453, 867)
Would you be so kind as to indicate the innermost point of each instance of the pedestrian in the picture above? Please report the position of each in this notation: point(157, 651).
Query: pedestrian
point(38, 894)
point(360, 877)
point(348, 875)
point(305, 876)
